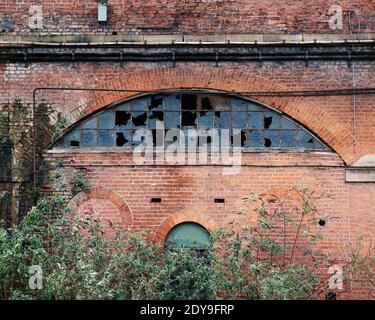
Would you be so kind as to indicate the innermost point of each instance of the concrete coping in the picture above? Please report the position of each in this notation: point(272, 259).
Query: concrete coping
point(363, 170)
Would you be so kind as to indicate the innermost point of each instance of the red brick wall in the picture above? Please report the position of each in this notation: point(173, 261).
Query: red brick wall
point(187, 16)
point(188, 194)
point(191, 190)
point(346, 123)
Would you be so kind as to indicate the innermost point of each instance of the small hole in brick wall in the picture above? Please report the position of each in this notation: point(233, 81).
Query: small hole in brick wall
point(219, 200)
point(322, 222)
point(74, 143)
point(331, 296)
point(155, 200)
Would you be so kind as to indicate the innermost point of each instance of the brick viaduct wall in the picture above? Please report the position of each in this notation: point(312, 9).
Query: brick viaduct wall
point(122, 191)
point(133, 17)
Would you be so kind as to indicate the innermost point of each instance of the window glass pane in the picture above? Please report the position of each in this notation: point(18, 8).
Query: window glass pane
point(122, 138)
point(205, 119)
point(238, 119)
point(153, 117)
point(89, 138)
point(172, 102)
point(287, 124)
point(221, 119)
point(272, 139)
point(106, 120)
point(123, 119)
point(225, 138)
point(90, 124)
point(156, 103)
point(189, 235)
point(289, 139)
point(139, 119)
point(172, 120)
point(106, 138)
point(191, 138)
point(255, 107)
point(255, 139)
point(255, 120)
point(138, 137)
point(139, 104)
point(73, 139)
point(239, 137)
point(318, 145)
point(305, 140)
point(123, 107)
point(239, 105)
point(271, 120)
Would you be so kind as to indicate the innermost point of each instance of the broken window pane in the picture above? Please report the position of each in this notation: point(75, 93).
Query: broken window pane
point(255, 139)
point(172, 102)
point(255, 120)
point(205, 120)
point(206, 103)
point(105, 138)
point(139, 119)
point(188, 119)
point(272, 139)
point(239, 136)
point(89, 138)
point(222, 120)
point(262, 128)
point(289, 139)
point(123, 138)
point(106, 120)
point(73, 138)
point(271, 120)
point(156, 103)
point(305, 140)
point(153, 117)
point(189, 101)
point(122, 119)
point(239, 120)
point(172, 120)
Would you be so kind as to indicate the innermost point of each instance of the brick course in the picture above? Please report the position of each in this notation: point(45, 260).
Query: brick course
point(122, 191)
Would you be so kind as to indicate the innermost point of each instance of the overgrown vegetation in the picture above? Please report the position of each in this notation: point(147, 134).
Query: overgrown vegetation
point(82, 259)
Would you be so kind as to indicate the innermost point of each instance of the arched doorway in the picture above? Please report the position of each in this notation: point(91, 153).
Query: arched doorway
point(189, 235)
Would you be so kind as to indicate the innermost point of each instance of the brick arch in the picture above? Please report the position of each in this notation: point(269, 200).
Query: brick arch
point(103, 194)
point(227, 80)
point(177, 218)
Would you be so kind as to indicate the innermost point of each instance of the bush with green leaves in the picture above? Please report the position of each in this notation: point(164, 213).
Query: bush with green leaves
point(82, 259)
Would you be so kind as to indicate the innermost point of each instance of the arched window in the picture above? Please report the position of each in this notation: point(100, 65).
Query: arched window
point(256, 127)
point(189, 235)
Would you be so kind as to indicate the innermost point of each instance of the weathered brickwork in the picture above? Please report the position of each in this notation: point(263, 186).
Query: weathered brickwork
point(134, 17)
point(122, 191)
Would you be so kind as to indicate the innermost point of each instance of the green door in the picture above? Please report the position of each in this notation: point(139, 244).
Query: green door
point(190, 235)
